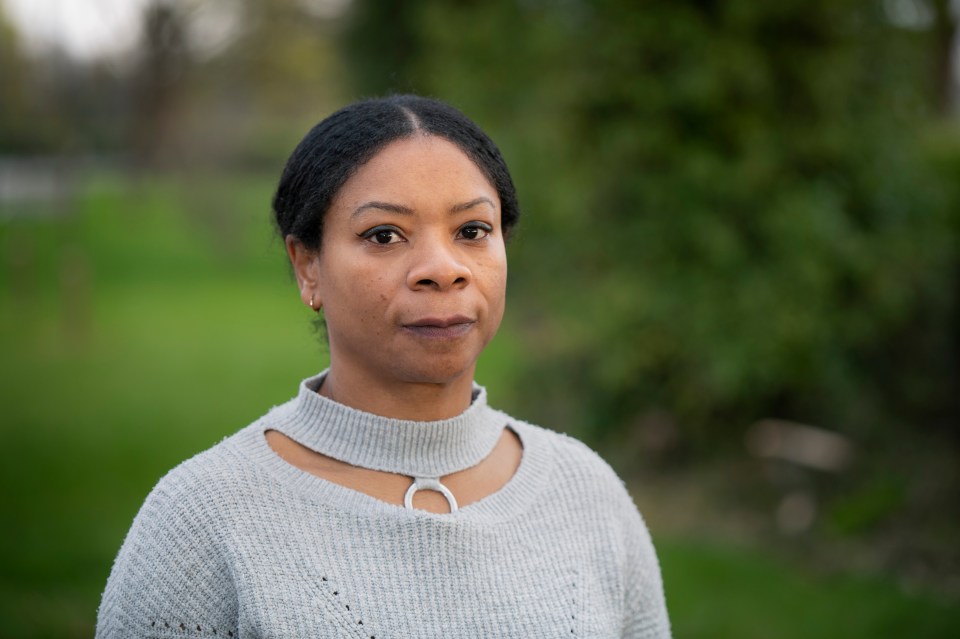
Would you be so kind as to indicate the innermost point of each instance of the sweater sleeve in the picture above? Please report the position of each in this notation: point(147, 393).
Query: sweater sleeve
point(171, 575)
point(645, 606)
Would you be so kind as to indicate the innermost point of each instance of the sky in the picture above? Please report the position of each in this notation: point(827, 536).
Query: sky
point(91, 29)
point(84, 29)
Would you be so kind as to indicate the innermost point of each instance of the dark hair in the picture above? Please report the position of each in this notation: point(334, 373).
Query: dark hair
point(335, 148)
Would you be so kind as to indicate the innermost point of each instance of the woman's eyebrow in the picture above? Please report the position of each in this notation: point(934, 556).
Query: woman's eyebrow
point(472, 203)
point(403, 210)
point(383, 206)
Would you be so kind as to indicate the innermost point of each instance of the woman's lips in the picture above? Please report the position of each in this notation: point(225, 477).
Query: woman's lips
point(441, 327)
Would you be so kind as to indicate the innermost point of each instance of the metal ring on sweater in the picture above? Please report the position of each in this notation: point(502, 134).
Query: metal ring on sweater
point(429, 483)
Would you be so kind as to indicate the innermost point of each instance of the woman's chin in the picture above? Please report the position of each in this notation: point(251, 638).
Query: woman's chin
point(438, 371)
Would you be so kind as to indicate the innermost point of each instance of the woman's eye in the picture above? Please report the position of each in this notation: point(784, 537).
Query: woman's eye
point(475, 231)
point(382, 235)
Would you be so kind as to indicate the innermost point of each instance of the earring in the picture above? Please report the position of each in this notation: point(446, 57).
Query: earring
point(311, 303)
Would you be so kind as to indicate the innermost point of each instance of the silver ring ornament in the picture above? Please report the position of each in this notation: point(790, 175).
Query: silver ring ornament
point(429, 483)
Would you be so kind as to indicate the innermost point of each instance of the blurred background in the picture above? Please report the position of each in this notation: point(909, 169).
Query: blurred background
point(736, 273)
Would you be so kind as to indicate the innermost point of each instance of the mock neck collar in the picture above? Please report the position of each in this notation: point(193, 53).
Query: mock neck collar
point(412, 448)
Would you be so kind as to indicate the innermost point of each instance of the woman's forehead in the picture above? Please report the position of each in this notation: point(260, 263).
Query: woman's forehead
point(421, 168)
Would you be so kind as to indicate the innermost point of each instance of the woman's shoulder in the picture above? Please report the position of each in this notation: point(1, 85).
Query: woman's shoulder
point(565, 448)
point(575, 465)
point(173, 562)
point(211, 478)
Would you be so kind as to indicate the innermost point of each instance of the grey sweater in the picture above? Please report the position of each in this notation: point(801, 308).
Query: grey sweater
point(235, 542)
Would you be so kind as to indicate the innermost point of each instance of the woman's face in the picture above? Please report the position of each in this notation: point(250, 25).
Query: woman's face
point(412, 266)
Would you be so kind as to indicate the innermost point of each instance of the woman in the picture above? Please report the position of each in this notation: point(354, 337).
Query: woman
point(387, 499)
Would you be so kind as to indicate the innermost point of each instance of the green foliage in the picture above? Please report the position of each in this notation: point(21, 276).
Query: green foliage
point(862, 509)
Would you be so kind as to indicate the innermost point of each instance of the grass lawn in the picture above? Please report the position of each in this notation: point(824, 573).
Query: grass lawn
point(726, 592)
point(153, 321)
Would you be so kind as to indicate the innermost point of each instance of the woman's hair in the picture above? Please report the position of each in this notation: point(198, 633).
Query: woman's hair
point(335, 148)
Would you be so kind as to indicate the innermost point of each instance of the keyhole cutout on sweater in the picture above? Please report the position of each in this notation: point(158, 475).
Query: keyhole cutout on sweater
point(468, 486)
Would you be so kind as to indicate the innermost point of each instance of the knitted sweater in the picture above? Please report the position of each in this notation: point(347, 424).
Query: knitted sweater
point(236, 542)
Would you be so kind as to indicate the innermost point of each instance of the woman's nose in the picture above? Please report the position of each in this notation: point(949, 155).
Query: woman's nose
point(437, 264)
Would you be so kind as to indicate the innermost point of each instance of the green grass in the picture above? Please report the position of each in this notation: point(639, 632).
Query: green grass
point(720, 591)
point(155, 321)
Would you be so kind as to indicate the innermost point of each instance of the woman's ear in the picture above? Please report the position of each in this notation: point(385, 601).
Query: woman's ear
point(306, 268)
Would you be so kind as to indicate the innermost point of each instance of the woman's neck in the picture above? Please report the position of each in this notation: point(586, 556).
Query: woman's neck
point(417, 401)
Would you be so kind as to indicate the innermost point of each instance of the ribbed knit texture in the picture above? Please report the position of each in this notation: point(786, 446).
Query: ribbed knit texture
point(417, 449)
point(237, 542)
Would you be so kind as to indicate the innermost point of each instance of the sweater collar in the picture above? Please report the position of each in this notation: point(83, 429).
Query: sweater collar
point(416, 449)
